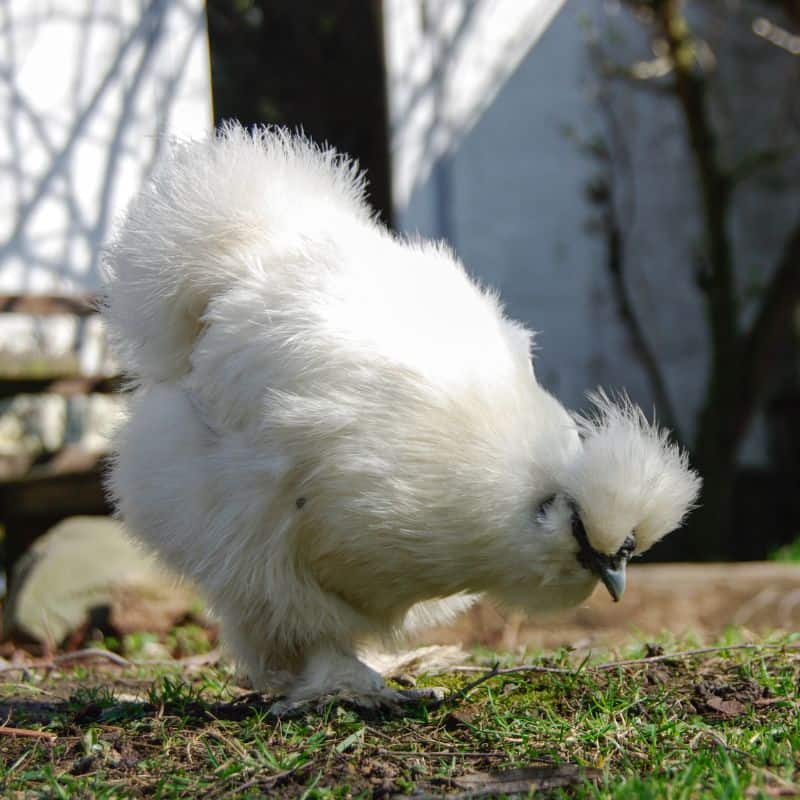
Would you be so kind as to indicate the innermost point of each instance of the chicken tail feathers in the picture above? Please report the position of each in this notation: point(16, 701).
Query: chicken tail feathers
point(205, 224)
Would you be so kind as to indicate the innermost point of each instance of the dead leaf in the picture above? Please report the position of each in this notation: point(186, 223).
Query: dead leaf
point(730, 708)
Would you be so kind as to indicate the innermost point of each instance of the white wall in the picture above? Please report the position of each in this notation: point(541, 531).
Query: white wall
point(88, 91)
point(446, 61)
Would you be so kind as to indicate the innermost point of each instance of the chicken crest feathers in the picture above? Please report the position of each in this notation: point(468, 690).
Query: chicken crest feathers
point(629, 476)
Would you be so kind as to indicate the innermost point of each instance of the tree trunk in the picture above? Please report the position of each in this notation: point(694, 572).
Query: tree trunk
point(716, 459)
point(716, 443)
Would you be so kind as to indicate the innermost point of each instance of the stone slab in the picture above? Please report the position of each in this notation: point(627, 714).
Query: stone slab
point(85, 564)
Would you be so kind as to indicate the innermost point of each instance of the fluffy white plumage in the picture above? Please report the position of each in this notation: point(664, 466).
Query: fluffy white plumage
point(336, 433)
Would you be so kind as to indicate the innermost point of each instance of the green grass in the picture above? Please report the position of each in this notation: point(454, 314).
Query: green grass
point(789, 552)
point(723, 724)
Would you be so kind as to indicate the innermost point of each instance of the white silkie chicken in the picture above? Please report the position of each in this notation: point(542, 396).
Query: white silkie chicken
point(337, 434)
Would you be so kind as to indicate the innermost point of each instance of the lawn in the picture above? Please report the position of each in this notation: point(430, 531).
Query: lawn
point(719, 723)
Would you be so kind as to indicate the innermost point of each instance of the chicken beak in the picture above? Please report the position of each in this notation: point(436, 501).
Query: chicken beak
point(610, 569)
point(613, 578)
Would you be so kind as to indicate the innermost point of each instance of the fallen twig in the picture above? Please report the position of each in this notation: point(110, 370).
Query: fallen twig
point(5, 730)
point(495, 670)
point(260, 780)
point(631, 662)
point(442, 753)
point(77, 655)
point(720, 742)
point(609, 665)
point(263, 781)
point(116, 660)
point(92, 652)
point(517, 781)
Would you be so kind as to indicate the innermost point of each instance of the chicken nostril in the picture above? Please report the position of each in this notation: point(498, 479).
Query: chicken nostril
point(627, 549)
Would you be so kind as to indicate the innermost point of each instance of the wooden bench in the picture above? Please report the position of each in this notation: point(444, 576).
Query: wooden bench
point(38, 491)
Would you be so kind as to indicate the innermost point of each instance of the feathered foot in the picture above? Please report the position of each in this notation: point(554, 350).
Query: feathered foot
point(331, 675)
point(385, 702)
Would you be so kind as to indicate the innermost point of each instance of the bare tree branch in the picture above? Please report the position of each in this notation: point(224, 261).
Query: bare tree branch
point(615, 263)
point(639, 79)
point(616, 246)
point(759, 160)
point(715, 188)
point(741, 362)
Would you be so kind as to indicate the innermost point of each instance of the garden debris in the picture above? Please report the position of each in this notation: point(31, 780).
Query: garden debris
point(524, 780)
point(728, 700)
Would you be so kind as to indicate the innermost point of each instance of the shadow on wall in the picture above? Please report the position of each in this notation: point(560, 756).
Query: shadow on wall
point(89, 91)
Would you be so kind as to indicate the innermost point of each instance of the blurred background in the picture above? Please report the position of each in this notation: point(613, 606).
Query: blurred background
point(625, 173)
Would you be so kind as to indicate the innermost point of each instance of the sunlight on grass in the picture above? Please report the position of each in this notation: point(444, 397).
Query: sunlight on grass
point(721, 724)
point(789, 552)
